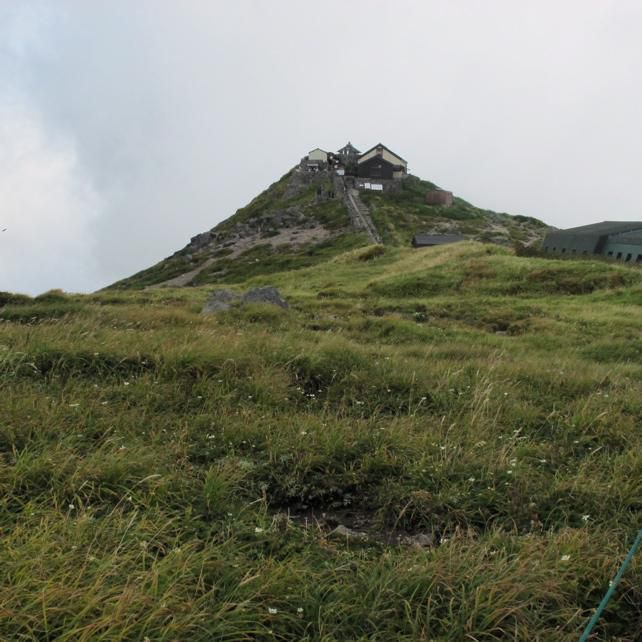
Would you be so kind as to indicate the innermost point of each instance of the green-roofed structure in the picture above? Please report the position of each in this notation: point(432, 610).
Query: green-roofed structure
point(619, 240)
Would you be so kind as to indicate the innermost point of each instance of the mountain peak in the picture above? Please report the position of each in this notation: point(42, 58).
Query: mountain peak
point(328, 203)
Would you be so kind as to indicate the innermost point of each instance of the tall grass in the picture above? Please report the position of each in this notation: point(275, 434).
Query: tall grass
point(166, 475)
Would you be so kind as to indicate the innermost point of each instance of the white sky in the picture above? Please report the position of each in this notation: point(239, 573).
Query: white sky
point(127, 127)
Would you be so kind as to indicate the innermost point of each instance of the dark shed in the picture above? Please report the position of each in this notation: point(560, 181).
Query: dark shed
point(428, 240)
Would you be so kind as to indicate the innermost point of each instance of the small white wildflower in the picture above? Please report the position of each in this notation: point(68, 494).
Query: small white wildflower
point(257, 529)
point(125, 383)
point(509, 472)
point(74, 405)
point(471, 479)
point(565, 558)
point(229, 514)
point(586, 518)
point(71, 507)
point(542, 461)
point(299, 610)
point(303, 432)
point(272, 611)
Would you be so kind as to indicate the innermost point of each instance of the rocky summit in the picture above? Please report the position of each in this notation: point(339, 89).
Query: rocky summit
point(309, 216)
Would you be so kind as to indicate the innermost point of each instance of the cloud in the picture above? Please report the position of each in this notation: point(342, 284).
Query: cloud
point(46, 209)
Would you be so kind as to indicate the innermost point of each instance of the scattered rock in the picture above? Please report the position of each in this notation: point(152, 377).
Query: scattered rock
point(418, 541)
point(219, 301)
point(267, 294)
point(344, 533)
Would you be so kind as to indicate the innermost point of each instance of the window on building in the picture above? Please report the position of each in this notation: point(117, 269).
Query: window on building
point(563, 250)
point(619, 255)
point(573, 251)
point(639, 259)
point(628, 257)
point(611, 253)
point(585, 252)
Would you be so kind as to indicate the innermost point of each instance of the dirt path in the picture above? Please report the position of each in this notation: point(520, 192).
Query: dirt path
point(183, 279)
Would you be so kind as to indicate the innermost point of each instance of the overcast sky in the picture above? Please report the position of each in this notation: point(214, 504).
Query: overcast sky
point(128, 126)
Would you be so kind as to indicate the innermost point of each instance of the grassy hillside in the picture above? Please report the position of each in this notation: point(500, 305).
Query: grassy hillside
point(288, 226)
point(399, 216)
point(170, 476)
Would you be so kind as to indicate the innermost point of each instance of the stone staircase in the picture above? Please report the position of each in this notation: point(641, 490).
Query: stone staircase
point(358, 210)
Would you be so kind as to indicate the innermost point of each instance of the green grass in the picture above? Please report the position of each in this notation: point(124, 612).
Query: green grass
point(170, 476)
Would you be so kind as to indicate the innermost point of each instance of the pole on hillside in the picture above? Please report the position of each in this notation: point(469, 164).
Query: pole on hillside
point(612, 587)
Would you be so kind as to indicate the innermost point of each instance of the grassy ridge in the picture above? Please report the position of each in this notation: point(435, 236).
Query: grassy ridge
point(166, 475)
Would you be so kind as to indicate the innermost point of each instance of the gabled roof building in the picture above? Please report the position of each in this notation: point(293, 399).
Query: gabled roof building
point(381, 162)
point(620, 240)
point(348, 151)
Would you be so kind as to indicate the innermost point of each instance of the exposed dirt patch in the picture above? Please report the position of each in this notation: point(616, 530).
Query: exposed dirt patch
point(290, 236)
point(299, 235)
point(354, 525)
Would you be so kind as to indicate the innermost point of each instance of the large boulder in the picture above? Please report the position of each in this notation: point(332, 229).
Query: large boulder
point(267, 294)
point(219, 301)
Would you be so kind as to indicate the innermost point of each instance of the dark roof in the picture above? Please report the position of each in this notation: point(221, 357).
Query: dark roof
point(437, 239)
point(388, 148)
point(378, 159)
point(603, 228)
point(349, 148)
point(635, 238)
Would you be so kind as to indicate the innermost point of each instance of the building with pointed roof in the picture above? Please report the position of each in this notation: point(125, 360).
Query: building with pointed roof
point(348, 151)
point(381, 162)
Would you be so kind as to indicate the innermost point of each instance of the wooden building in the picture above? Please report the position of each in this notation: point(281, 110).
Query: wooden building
point(318, 155)
point(348, 152)
point(381, 162)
